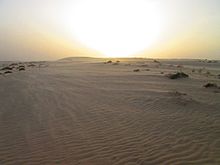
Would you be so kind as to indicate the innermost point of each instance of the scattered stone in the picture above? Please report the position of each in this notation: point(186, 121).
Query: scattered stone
point(13, 64)
point(210, 85)
point(136, 70)
point(7, 72)
point(7, 68)
point(161, 72)
point(21, 69)
point(147, 69)
point(177, 75)
point(193, 70)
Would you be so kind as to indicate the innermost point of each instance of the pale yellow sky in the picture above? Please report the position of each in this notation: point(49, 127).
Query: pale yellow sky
point(42, 30)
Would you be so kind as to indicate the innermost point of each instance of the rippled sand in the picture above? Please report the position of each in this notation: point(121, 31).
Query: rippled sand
point(85, 112)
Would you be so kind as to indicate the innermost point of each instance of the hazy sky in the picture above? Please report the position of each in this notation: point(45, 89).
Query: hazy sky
point(38, 30)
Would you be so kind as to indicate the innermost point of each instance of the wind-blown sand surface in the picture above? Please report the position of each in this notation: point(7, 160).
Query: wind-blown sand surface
point(84, 112)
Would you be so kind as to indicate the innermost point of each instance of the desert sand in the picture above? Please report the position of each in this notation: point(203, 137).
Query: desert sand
point(87, 111)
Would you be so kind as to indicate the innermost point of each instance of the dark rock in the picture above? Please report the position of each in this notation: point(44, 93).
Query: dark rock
point(7, 68)
point(21, 69)
point(210, 85)
point(136, 70)
point(178, 75)
point(7, 72)
point(13, 64)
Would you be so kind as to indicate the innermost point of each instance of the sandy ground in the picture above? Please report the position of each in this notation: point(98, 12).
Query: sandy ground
point(84, 112)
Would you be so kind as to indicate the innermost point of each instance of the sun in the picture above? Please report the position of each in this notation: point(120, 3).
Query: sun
point(116, 28)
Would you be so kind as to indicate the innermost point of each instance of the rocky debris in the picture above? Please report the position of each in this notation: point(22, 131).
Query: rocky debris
point(7, 72)
point(178, 75)
point(21, 69)
point(7, 68)
point(136, 70)
point(211, 85)
point(13, 65)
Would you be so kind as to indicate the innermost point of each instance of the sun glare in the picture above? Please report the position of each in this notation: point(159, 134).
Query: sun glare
point(116, 28)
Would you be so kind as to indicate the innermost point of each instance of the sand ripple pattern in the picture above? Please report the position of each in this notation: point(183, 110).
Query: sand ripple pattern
point(78, 117)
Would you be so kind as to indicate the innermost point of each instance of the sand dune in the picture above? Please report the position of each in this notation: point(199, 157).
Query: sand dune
point(86, 112)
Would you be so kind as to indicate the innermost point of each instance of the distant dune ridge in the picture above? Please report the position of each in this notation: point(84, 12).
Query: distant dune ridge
point(86, 111)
